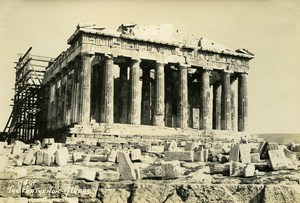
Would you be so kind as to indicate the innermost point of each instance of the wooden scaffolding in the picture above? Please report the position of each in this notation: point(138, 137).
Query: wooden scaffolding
point(22, 123)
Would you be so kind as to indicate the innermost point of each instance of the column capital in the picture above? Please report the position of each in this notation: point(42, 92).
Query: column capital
point(160, 63)
point(135, 61)
point(227, 72)
point(108, 57)
point(85, 54)
point(244, 75)
point(184, 66)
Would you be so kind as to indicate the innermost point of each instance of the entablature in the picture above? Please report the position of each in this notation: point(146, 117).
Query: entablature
point(86, 41)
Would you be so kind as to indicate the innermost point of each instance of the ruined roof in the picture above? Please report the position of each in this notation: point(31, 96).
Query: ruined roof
point(161, 34)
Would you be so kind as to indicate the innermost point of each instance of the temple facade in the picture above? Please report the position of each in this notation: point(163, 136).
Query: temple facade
point(151, 75)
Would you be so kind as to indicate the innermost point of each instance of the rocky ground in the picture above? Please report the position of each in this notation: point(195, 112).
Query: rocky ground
point(210, 170)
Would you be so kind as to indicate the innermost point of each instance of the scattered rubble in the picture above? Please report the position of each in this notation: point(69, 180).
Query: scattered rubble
point(202, 162)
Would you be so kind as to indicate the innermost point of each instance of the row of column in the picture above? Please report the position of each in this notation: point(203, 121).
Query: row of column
point(81, 97)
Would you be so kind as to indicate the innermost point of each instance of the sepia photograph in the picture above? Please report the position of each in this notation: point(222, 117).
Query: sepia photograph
point(137, 101)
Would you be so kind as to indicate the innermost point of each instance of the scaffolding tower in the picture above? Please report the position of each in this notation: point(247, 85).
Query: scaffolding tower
point(22, 123)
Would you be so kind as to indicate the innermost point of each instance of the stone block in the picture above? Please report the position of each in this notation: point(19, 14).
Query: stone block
point(249, 170)
point(205, 155)
point(47, 141)
point(108, 175)
point(179, 155)
point(198, 156)
point(39, 157)
point(189, 146)
point(182, 143)
point(19, 162)
point(217, 145)
point(296, 148)
point(171, 170)
point(29, 157)
point(291, 160)
point(236, 169)
point(51, 149)
point(126, 167)
point(48, 158)
point(86, 174)
point(262, 150)
point(223, 158)
point(77, 156)
point(172, 146)
point(255, 158)
point(112, 156)
point(157, 149)
point(145, 148)
point(151, 171)
point(277, 159)
point(208, 145)
point(234, 153)
point(245, 153)
point(135, 155)
point(272, 146)
point(225, 150)
point(62, 156)
point(17, 150)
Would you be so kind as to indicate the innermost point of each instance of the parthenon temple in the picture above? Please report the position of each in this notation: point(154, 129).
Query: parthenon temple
point(145, 75)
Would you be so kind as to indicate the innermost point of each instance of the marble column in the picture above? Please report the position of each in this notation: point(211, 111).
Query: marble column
point(134, 114)
point(55, 109)
point(123, 93)
point(159, 112)
point(233, 111)
point(205, 110)
point(50, 103)
point(217, 92)
point(226, 102)
point(85, 99)
point(77, 91)
point(107, 103)
point(183, 97)
point(242, 103)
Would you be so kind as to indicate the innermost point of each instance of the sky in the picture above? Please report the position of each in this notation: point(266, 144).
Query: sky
point(268, 28)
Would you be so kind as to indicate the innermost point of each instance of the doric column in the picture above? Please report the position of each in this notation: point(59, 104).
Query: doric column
point(242, 103)
point(85, 99)
point(76, 103)
point(159, 113)
point(55, 109)
point(107, 103)
point(233, 112)
point(205, 112)
point(134, 116)
point(69, 95)
point(217, 91)
point(123, 93)
point(226, 102)
point(60, 107)
point(50, 103)
point(65, 96)
point(183, 97)
point(146, 97)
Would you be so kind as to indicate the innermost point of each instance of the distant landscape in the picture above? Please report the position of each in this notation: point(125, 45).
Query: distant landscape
point(281, 138)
